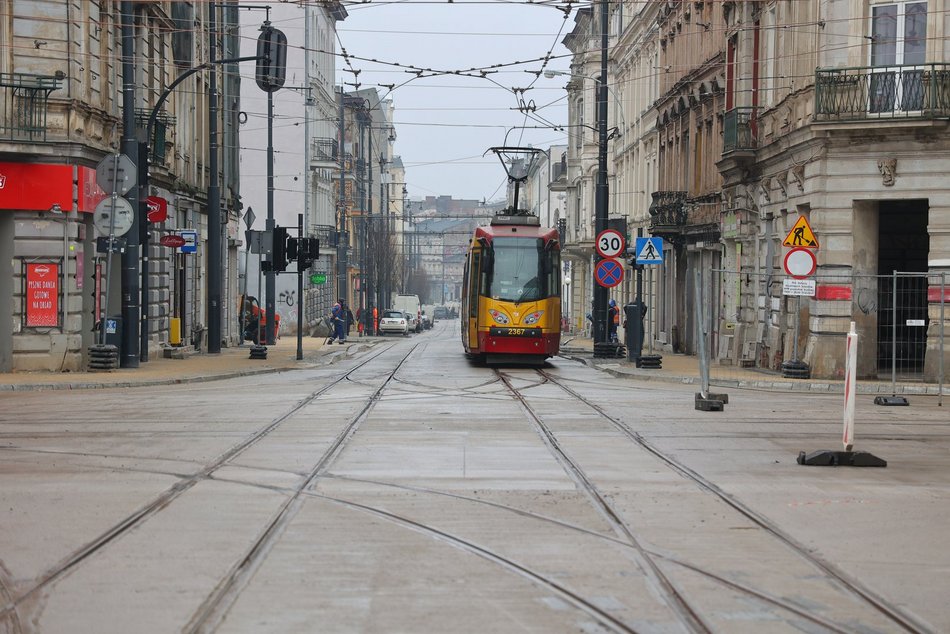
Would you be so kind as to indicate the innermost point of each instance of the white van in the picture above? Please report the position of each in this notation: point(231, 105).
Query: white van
point(410, 305)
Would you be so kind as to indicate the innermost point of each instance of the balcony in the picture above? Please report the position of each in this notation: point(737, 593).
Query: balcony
point(739, 131)
point(668, 213)
point(920, 91)
point(23, 110)
point(323, 154)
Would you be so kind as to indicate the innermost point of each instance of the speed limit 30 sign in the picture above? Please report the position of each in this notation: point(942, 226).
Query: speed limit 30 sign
point(610, 243)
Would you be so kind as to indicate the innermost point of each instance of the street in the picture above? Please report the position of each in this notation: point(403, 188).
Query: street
point(405, 489)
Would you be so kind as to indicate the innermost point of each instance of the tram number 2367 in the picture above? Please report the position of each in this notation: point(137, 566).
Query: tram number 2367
point(514, 332)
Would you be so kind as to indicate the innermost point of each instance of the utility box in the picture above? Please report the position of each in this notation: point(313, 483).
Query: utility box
point(634, 312)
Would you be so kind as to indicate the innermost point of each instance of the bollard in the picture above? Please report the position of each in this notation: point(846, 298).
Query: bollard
point(846, 458)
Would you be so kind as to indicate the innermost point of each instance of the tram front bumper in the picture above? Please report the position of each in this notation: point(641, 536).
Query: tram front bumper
point(531, 341)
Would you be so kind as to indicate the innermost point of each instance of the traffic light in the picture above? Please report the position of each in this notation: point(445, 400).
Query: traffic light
point(307, 251)
point(293, 249)
point(279, 253)
point(272, 58)
point(313, 249)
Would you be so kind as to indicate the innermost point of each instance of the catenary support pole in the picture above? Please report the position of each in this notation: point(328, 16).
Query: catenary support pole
point(129, 352)
point(214, 194)
point(342, 240)
point(601, 198)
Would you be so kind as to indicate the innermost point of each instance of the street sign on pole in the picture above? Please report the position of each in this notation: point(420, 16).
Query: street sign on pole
point(608, 273)
point(610, 243)
point(116, 173)
point(249, 217)
point(800, 262)
point(649, 250)
point(113, 216)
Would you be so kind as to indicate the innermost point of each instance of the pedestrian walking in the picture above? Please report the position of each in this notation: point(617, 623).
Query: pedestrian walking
point(349, 320)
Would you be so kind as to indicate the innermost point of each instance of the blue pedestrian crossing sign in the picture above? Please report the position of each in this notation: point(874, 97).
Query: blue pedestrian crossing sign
point(649, 250)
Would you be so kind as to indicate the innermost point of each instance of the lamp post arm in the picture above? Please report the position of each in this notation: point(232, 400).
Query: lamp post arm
point(153, 116)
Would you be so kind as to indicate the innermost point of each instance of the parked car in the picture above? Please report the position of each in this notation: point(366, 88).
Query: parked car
point(394, 321)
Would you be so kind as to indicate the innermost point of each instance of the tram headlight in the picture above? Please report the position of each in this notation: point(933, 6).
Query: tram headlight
point(533, 317)
point(499, 317)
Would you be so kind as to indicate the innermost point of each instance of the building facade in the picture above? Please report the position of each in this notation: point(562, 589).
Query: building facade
point(746, 138)
point(851, 134)
point(61, 114)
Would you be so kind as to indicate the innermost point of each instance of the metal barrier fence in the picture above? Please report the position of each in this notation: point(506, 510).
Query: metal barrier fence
point(760, 328)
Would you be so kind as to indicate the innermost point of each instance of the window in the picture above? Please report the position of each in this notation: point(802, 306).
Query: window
point(522, 270)
point(768, 62)
point(898, 39)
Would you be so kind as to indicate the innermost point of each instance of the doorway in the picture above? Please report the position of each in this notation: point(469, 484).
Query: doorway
point(903, 246)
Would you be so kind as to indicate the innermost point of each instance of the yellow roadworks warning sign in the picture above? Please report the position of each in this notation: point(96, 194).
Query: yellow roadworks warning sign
point(801, 235)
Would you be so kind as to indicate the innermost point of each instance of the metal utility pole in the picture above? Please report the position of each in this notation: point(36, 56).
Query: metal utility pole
point(601, 200)
point(129, 352)
point(371, 289)
point(342, 240)
point(300, 260)
point(362, 237)
point(270, 279)
point(214, 194)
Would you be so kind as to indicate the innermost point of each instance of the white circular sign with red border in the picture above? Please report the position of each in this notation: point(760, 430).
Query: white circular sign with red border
point(800, 262)
point(610, 243)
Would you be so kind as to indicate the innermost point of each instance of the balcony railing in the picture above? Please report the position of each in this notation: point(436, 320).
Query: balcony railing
point(23, 110)
point(739, 130)
point(920, 91)
point(323, 152)
point(668, 209)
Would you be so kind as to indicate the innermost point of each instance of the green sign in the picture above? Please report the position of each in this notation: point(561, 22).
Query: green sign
point(318, 278)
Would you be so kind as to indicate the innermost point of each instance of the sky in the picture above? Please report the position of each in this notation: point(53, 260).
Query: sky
point(446, 123)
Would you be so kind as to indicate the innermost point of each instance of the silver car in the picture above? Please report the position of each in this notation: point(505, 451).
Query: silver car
point(394, 321)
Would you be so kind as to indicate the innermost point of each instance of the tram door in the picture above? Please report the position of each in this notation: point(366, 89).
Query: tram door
point(470, 318)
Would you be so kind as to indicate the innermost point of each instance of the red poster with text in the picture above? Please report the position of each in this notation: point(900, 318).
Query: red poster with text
point(42, 294)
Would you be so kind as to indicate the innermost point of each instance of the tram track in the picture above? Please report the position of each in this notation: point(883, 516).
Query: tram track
point(215, 607)
point(673, 596)
point(162, 500)
point(845, 581)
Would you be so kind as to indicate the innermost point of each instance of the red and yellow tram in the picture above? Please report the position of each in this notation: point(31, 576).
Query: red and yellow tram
point(511, 292)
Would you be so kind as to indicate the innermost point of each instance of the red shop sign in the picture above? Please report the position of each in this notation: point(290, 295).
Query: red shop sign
point(42, 294)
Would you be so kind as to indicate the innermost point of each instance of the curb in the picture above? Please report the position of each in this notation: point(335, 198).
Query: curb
point(322, 360)
point(822, 387)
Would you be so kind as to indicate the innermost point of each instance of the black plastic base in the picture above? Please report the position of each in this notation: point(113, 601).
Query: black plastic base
point(796, 370)
point(258, 352)
point(890, 400)
point(609, 350)
point(829, 458)
point(650, 362)
point(711, 402)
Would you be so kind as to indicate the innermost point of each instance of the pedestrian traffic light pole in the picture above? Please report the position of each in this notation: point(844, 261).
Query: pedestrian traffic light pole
point(601, 198)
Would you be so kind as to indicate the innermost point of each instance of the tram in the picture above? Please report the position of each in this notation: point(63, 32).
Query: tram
point(511, 291)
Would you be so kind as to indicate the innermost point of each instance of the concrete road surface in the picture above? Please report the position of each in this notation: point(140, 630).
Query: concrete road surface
point(402, 488)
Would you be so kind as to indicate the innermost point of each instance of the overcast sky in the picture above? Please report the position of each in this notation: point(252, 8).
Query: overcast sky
point(445, 123)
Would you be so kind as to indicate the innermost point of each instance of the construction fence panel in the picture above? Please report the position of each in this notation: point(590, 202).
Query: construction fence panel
point(773, 330)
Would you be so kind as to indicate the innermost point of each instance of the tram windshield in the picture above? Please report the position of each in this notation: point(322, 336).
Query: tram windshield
point(521, 270)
